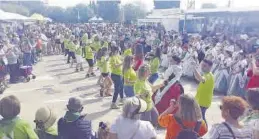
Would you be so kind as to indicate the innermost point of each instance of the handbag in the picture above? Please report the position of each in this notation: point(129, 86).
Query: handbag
point(230, 130)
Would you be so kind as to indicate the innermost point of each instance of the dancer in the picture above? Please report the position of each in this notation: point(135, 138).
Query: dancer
point(129, 75)
point(79, 58)
point(154, 63)
point(105, 73)
point(144, 90)
point(116, 75)
point(89, 56)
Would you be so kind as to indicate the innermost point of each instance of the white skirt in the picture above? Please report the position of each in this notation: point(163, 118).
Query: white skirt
point(79, 59)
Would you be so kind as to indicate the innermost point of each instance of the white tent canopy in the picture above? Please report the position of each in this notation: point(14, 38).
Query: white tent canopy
point(96, 19)
point(11, 16)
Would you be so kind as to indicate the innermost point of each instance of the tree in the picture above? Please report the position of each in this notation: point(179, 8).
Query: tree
point(132, 12)
point(208, 6)
point(108, 10)
point(84, 11)
point(13, 8)
point(56, 13)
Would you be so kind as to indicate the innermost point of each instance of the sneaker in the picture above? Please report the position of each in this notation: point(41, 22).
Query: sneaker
point(121, 102)
point(87, 76)
point(93, 74)
point(101, 92)
point(114, 106)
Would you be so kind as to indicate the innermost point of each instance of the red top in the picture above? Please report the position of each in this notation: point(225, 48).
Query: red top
point(173, 93)
point(39, 44)
point(138, 63)
point(254, 80)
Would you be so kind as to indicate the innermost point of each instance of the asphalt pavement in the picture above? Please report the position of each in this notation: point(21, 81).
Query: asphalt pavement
point(56, 82)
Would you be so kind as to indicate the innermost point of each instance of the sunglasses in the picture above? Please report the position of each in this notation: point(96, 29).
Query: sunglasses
point(220, 107)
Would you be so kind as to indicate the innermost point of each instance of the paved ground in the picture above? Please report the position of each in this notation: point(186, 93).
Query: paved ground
point(56, 82)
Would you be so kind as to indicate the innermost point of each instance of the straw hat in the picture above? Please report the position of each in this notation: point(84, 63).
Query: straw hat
point(46, 116)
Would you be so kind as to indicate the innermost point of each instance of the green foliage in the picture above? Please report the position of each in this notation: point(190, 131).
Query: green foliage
point(108, 10)
point(132, 12)
point(13, 8)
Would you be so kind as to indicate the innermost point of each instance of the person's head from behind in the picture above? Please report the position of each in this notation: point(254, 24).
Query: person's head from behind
point(114, 50)
point(144, 72)
point(133, 107)
point(127, 63)
point(158, 52)
point(10, 107)
point(75, 105)
point(206, 65)
point(253, 99)
point(96, 38)
point(189, 109)
point(44, 118)
point(104, 51)
point(176, 60)
point(233, 107)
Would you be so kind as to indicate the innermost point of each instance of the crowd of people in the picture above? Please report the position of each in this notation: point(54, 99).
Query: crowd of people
point(145, 65)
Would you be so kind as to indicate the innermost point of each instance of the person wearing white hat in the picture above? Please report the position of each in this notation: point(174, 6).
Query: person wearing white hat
point(45, 118)
point(128, 125)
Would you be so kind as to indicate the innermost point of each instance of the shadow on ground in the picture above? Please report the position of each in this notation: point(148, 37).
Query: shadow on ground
point(96, 115)
point(54, 60)
point(87, 94)
point(91, 101)
point(64, 74)
point(57, 70)
point(84, 88)
point(56, 65)
point(72, 80)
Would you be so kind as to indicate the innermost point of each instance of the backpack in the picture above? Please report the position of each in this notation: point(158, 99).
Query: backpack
point(188, 133)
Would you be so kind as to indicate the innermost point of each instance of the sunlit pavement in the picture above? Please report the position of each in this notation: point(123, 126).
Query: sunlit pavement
point(56, 82)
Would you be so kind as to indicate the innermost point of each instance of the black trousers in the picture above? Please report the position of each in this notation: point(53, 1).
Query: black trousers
point(66, 52)
point(14, 72)
point(63, 47)
point(71, 54)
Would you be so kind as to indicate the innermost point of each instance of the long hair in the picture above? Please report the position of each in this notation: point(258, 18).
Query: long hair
point(158, 53)
point(127, 63)
point(114, 50)
point(189, 109)
point(99, 54)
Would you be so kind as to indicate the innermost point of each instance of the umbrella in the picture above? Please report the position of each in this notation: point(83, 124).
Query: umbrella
point(36, 16)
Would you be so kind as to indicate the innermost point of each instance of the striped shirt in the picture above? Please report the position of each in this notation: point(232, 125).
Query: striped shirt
point(220, 131)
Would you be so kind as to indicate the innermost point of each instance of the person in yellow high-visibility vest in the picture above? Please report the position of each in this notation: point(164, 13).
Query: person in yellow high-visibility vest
point(72, 49)
point(96, 45)
point(84, 41)
point(89, 56)
point(79, 58)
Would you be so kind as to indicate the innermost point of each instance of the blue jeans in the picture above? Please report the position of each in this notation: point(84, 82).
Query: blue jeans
point(152, 79)
point(33, 57)
point(203, 112)
point(27, 59)
point(118, 86)
point(128, 90)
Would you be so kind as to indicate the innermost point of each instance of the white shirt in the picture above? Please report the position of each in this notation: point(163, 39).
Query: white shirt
point(126, 128)
point(220, 131)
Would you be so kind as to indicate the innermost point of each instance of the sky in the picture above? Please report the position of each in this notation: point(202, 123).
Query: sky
point(148, 3)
